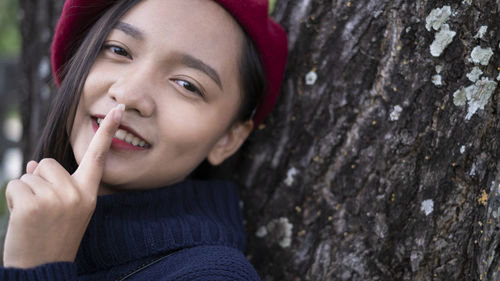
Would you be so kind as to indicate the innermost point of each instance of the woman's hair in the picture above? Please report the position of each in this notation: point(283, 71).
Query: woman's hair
point(55, 142)
point(252, 80)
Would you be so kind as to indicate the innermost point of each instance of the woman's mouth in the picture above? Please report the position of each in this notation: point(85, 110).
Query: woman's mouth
point(124, 137)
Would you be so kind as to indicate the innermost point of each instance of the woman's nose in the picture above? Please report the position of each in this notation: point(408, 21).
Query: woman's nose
point(133, 89)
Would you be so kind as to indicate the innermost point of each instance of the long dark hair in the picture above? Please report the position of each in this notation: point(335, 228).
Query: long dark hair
point(54, 141)
point(252, 78)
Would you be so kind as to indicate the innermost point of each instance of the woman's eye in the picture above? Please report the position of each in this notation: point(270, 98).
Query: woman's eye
point(188, 86)
point(117, 50)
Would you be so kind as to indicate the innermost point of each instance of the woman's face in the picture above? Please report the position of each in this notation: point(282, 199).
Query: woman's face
point(174, 64)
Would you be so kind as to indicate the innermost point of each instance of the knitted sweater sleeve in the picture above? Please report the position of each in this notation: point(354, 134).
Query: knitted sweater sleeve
point(58, 271)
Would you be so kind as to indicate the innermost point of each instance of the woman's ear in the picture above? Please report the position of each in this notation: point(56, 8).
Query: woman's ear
point(230, 142)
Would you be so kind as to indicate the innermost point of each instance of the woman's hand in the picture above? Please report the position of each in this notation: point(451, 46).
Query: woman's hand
point(50, 209)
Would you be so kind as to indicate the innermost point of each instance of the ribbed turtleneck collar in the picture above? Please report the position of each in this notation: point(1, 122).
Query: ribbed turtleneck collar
point(131, 226)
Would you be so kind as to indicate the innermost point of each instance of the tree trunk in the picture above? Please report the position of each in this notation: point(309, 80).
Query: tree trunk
point(376, 171)
point(38, 21)
point(382, 168)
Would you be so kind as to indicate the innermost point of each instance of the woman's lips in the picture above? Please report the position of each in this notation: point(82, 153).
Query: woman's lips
point(125, 137)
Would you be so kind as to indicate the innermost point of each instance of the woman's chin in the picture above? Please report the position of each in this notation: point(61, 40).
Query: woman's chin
point(119, 182)
point(105, 188)
point(115, 181)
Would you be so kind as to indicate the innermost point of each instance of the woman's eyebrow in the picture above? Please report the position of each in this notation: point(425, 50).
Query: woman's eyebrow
point(193, 62)
point(130, 30)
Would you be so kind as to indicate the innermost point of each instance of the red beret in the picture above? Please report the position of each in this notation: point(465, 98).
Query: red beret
point(268, 36)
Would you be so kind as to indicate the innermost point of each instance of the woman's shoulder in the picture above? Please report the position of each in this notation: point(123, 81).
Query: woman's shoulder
point(202, 263)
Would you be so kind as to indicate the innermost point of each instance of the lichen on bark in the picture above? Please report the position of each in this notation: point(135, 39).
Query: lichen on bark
point(385, 190)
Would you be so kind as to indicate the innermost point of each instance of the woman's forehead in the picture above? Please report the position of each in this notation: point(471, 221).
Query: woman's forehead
point(198, 24)
point(199, 29)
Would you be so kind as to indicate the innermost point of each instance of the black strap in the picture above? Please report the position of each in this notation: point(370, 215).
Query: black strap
point(144, 266)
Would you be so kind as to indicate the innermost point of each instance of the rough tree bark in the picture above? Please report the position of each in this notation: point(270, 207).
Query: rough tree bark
point(375, 170)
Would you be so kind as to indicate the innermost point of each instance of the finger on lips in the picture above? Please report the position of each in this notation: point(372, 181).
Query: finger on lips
point(89, 171)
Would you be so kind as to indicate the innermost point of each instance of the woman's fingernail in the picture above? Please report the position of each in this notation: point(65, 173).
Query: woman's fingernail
point(119, 113)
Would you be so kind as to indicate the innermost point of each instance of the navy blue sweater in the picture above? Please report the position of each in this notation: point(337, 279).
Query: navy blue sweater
point(189, 231)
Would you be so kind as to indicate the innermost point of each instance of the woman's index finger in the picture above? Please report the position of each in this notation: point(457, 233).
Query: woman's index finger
point(89, 172)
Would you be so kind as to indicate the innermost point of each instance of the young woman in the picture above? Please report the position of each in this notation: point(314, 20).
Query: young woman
point(148, 91)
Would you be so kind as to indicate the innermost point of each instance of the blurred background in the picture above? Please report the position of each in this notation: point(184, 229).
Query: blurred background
point(11, 126)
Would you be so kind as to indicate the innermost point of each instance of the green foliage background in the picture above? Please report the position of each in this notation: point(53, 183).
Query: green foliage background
point(10, 42)
point(271, 6)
